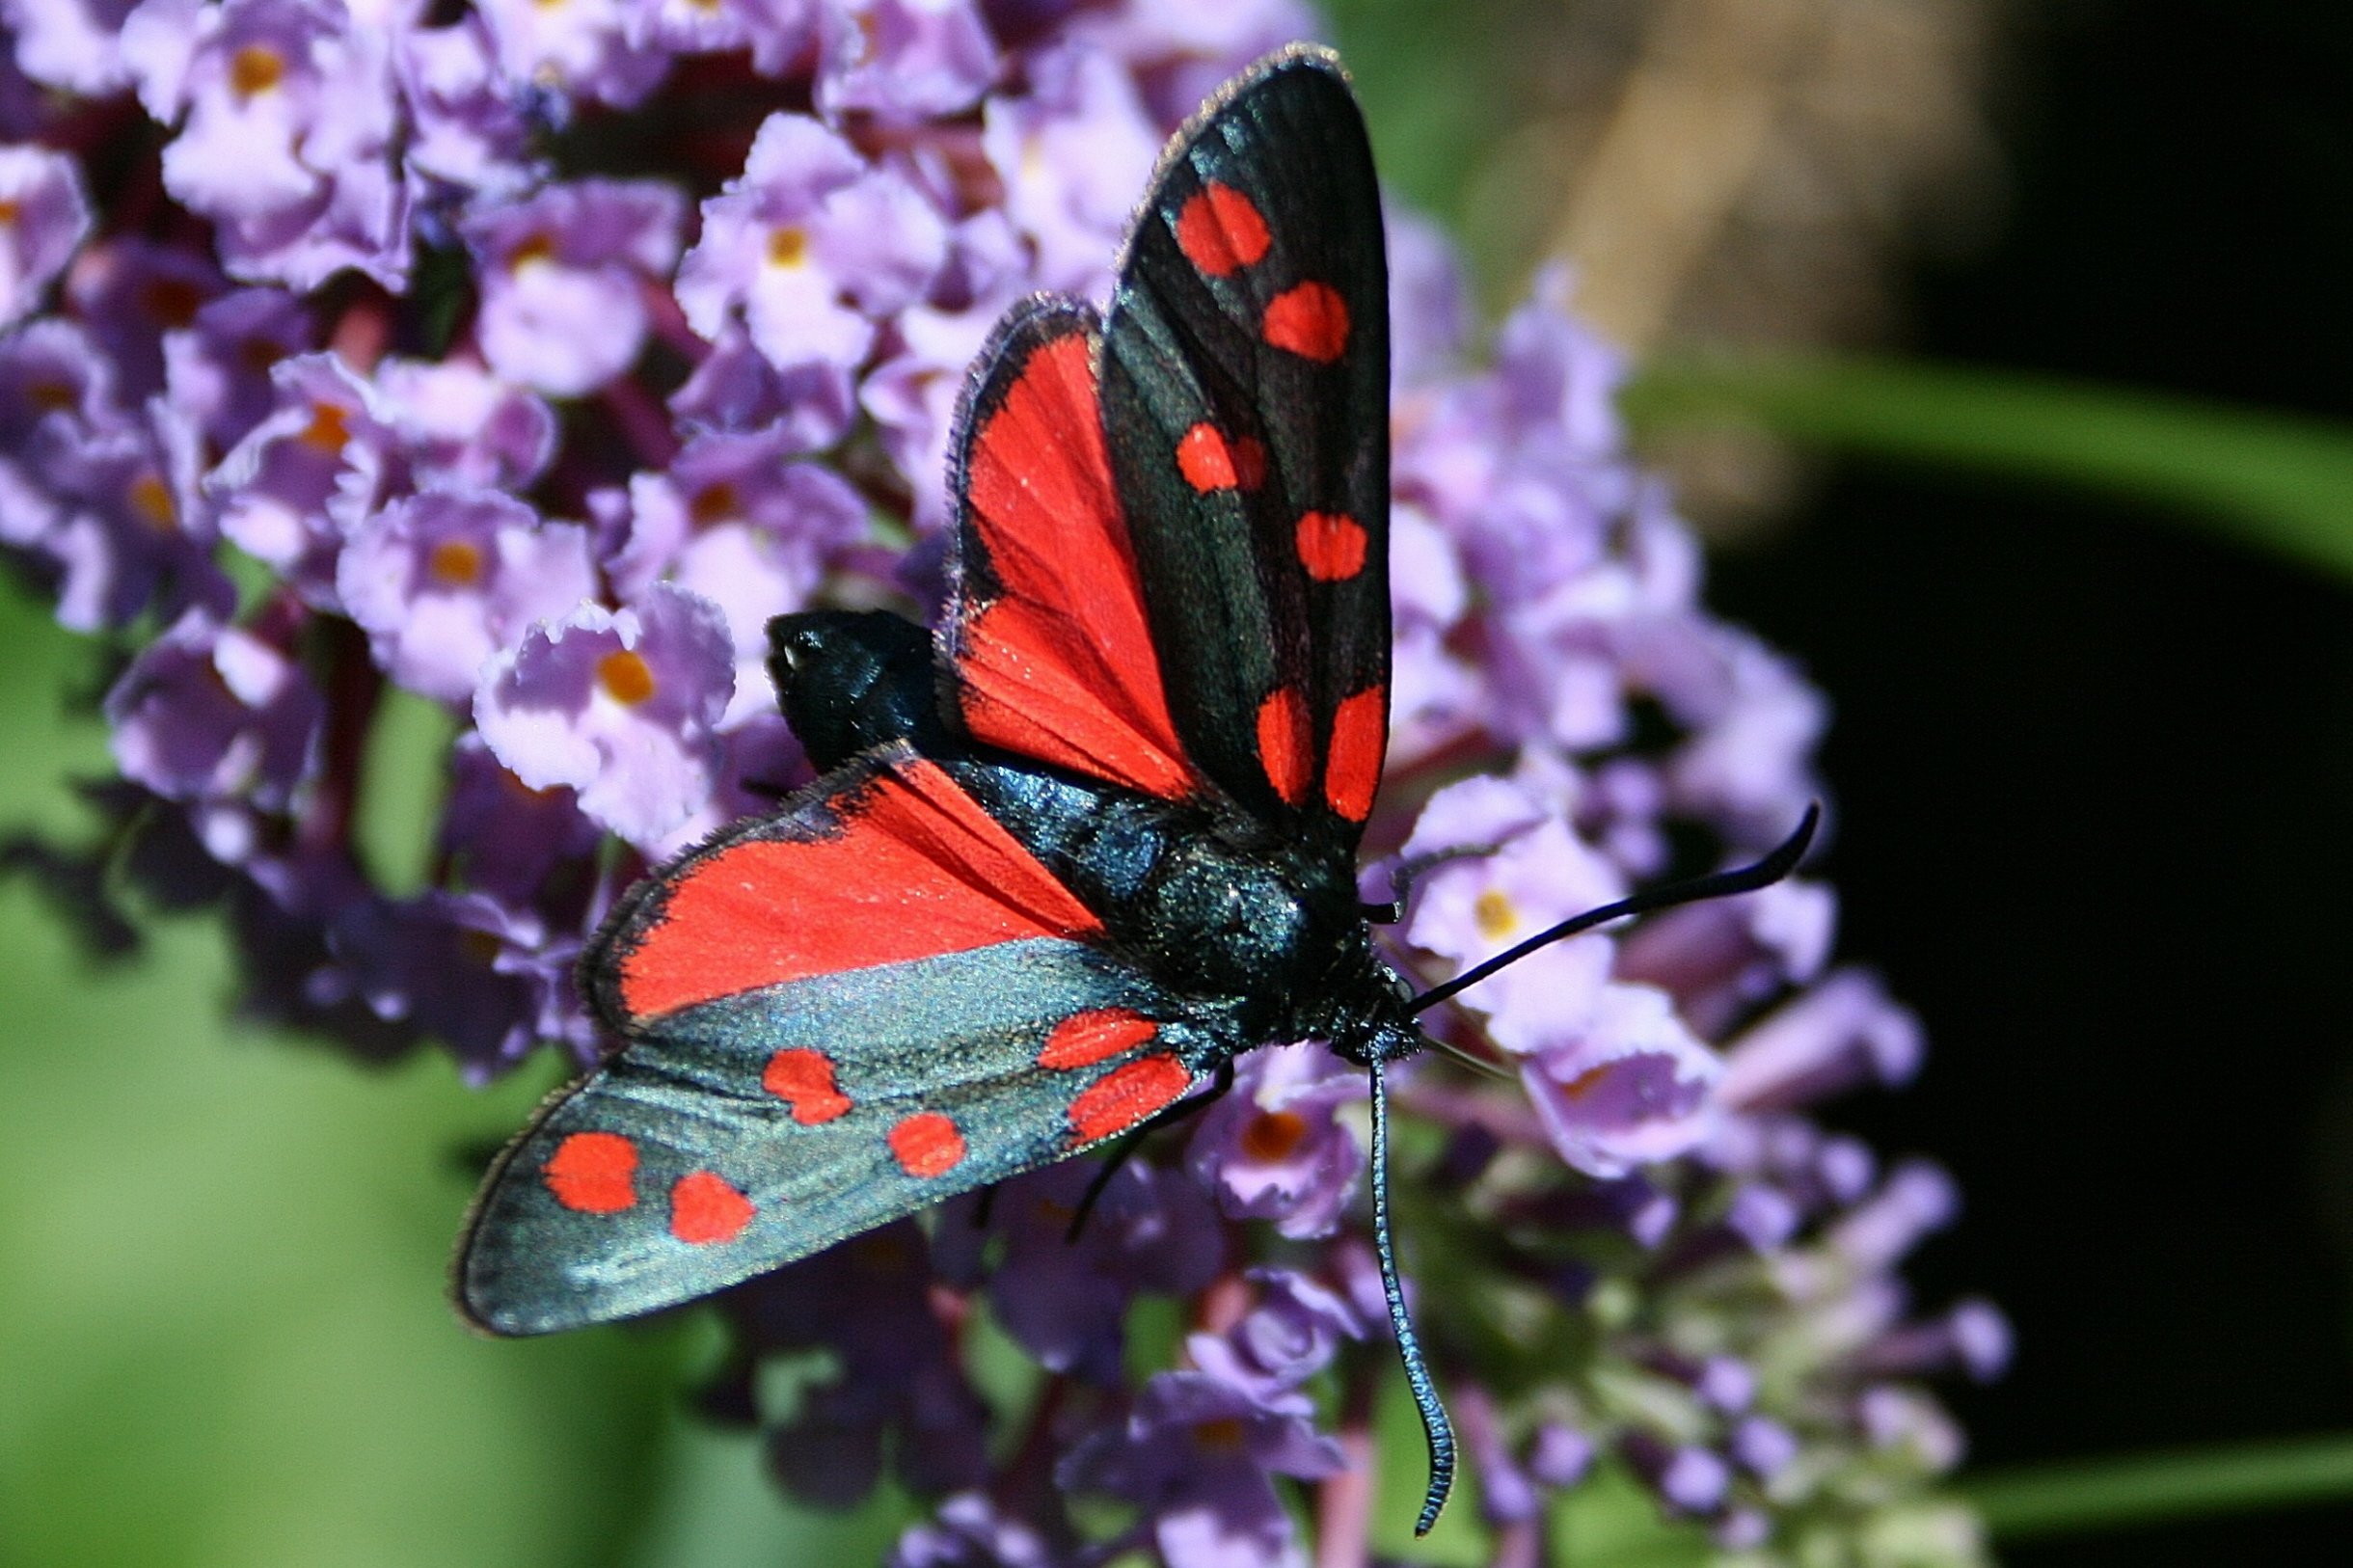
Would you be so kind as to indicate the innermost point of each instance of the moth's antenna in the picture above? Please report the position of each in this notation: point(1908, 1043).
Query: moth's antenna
point(1435, 1426)
point(1719, 885)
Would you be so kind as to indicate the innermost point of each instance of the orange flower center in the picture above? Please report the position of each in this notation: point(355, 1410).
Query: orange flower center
point(256, 68)
point(626, 677)
point(788, 247)
point(327, 431)
point(152, 499)
point(1272, 1135)
point(455, 563)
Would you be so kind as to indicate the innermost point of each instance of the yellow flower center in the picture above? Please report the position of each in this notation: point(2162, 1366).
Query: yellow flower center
point(626, 677)
point(256, 68)
point(455, 563)
point(533, 251)
point(788, 247)
point(1496, 914)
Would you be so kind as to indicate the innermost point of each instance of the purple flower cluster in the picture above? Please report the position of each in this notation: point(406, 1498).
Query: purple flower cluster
point(526, 356)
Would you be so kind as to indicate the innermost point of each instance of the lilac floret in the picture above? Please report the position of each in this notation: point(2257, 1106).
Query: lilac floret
point(1065, 1300)
point(135, 294)
point(580, 48)
point(502, 836)
point(208, 712)
point(322, 459)
point(1198, 1453)
point(469, 133)
point(732, 521)
point(1288, 1338)
point(903, 61)
point(621, 706)
point(47, 219)
point(1845, 1031)
point(735, 387)
point(1272, 1150)
point(1916, 1199)
point(565, 276)
point(811, 246)
point(121, 521)
point(72, 45)
point(460, 426)
point(217, 368)
point(288, 127)
point(442, 581)
point(970, 1531)
point(1071, 155)
point(1522, 873)
point(1630, 1088)
point(1688, 1479)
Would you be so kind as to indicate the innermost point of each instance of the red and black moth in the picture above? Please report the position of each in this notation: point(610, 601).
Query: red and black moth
point(1068, 860)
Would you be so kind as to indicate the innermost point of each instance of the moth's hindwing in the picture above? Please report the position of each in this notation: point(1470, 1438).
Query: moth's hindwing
point(838, 1016)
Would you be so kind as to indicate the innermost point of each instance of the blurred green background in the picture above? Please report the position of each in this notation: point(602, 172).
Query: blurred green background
point(2010, 378)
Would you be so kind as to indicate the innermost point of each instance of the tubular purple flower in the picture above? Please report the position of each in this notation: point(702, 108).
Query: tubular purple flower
point(620, 706)
point(563, 280)
point(442, 581)
point(47, 217)
point(810, 245)
point(1272, 1150)
point(904, 61)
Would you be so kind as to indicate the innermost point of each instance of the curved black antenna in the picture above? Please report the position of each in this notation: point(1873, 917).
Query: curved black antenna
point(1435, 1426)
point(1718, 884)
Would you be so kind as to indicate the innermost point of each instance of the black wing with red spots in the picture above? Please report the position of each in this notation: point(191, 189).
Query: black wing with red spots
point(837, 1015)
point(1245, 395)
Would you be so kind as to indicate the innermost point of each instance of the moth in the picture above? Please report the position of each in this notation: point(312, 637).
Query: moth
point(1069, 857)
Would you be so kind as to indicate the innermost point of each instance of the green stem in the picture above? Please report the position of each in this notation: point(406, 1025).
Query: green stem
point(2283, 482)
point(2077, 1496)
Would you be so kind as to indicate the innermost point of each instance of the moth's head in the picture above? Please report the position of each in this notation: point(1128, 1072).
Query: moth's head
point(850, 680)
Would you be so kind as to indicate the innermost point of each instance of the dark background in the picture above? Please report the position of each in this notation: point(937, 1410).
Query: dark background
point(2096, 774)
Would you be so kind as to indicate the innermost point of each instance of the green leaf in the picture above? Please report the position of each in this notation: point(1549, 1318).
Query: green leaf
point(2076, 1496)
point(2280, 482)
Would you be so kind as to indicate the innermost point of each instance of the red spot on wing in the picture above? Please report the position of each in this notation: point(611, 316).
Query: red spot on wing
point(1209, 462)
point(1084, 1039)
point(803, 1079)
point(1221, 232)
point(1283, 744)
point(1330, 545)
point(1309, 319)
point(1060, 666)
point(593, 1173)
point(927, 1144)
point(1203, 458)
point(915, 869)
point(1360, 737)
point(1127, 1095)
point(706, 1208)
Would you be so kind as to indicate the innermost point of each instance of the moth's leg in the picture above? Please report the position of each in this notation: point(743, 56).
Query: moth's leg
point(1409, 872)
point(1127, 1147)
